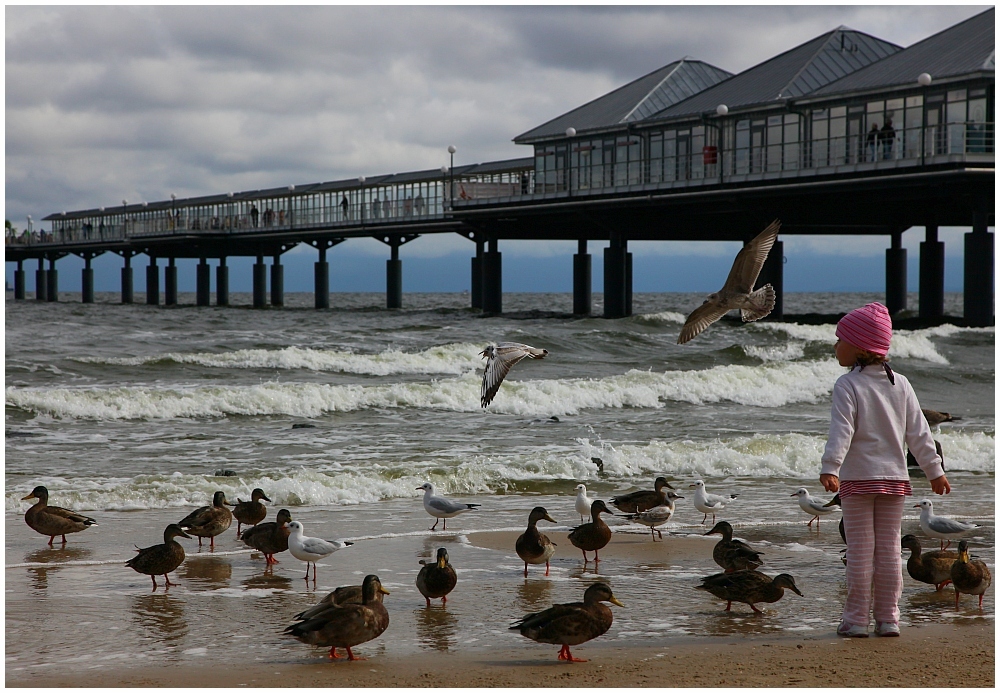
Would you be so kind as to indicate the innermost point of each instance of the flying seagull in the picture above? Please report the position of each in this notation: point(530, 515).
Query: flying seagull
point(500, 358)
point(738, 293)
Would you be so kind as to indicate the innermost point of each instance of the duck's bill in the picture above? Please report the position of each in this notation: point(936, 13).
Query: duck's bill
point(796, 590)
point(441, 563)
point(614, 600)
point(266, 498)
point(383, 590)
point(549, 518)
point(30, 496)
point(185, 534)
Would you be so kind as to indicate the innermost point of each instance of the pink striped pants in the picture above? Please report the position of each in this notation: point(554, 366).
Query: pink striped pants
point(872, 524)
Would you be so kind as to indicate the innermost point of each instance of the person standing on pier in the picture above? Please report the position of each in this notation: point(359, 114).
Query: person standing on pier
point(254, 215)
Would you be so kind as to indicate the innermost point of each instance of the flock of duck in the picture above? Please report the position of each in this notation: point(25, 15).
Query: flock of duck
point(351, 615)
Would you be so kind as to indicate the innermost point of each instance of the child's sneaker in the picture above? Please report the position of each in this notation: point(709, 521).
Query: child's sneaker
point(887, 629)
point(848, 631)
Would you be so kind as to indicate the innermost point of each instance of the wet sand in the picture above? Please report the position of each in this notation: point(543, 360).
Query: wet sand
point(934, 655)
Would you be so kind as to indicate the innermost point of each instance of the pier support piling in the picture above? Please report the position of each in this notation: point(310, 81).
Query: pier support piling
point(773, 273)
point(152, 283)
point(492, 265)
point(203, 281)
point(321, 280)
point(581, 280)
point(41, 281)
point(127, 279)
point(394, 279)
point(617, 278)
point(170, 283)
point(19, 281)
point(52, 292)
point(978, 282)
point(476, 284)
point(895, 275)
point(277, 282)
point(222, 283)
point(931, 275)
point(259, 283)
point(87, 285)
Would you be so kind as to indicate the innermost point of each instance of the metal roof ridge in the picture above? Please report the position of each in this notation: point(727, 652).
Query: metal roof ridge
point(649, 93)
point(808, 62)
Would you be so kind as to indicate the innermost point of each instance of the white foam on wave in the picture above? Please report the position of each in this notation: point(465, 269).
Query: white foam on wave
point(791, 455)
point(451, 359)
point(770, 385)
point(667, 317)
point(781, 352)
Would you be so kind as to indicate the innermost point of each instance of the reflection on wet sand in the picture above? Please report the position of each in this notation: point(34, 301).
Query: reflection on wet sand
point(207, 572)
point(534, 595)
point(734, 622)
point(436, 627)
point(160, 616)
point(55, 556)
point(432, 544)
point(930, 606)
point(267, 580)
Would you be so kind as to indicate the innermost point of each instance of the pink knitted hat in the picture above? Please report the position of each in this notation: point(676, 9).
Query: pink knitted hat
point(868, 328)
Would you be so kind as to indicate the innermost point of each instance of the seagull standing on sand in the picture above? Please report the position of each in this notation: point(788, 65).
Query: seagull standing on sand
point(582, 505)
point(500, 358)
point(813, 506)
point(311, 549)
point(708, 503)
point(442, 508)
point(943, 528)
point(738, 293)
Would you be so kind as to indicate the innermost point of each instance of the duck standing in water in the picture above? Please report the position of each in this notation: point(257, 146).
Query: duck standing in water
point(533, 546)
point(52, 520)
point(160, 559)
point(250, 512)
point(209, 520)
point(571, 624)
point(269, 537)
point(641, 501)
point(733, 554)
point(437, 580)
point(749, 587)
point(593, 535)
point(933, 567)
point(346, 625)
point(656, 516)
point(969, 576)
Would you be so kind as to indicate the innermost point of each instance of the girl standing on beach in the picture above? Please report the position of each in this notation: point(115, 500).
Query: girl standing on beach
point(874, 412)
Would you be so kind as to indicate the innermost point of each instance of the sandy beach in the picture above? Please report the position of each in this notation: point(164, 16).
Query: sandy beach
point(937, 655)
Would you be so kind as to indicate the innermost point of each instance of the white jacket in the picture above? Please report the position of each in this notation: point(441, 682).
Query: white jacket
point(871, 420)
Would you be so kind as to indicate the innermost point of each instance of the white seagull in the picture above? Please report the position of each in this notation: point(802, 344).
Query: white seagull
point(582, 502)
point(737, 292)
point(943, 528)
point(500, 358)
point(813, 506)
point(442, 508)
point(708, 502)
point(654, 517)
point(310, 549)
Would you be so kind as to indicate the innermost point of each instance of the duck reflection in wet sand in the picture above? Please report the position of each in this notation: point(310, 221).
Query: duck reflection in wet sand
point(55, 557)
point(211, 571)
point(161, 615)
point(267, 580)
point(534, 594)
point(436, 628)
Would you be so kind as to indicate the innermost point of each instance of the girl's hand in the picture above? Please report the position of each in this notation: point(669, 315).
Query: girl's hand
point(831, 482)
point(940, 485)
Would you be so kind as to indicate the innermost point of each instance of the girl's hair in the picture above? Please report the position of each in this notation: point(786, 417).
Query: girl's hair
point(868, 358)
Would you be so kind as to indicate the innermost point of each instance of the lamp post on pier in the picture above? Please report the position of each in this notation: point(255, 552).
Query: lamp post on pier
point(361, 200)
point(451, 171)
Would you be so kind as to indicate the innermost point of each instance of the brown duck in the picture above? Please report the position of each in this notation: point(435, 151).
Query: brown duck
point(933, 567)
point(349, 594)
point(348, 625)
point(595, 534)
point(533, 546)
point(52, 520)
point(160, 559)
point(209, 520)
point(749, 587)
point(969, 576)
point(437, 580)
point(571, 624)
point(935, 418)
point(250, 512)
point(640, 501)
point(733, 554)
point(269, 537)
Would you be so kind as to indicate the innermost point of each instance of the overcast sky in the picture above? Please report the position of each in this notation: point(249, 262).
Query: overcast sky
point(106, 103)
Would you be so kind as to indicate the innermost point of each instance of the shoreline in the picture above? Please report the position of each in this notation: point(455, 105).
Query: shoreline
point(942, 655)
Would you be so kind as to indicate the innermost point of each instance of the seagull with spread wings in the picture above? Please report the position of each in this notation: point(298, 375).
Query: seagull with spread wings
point(500, 358)
point(738, 292)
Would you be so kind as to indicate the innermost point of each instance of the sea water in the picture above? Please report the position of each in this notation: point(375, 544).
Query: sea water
point(127, 414)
